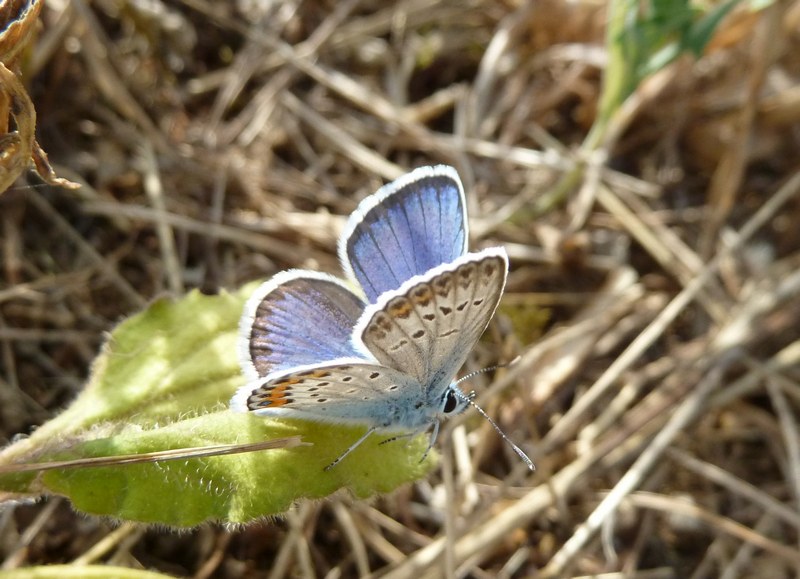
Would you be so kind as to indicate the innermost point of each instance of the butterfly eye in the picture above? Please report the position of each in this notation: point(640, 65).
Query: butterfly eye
point(450, 403)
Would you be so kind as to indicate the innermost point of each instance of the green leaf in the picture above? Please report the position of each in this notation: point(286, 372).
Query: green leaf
point(644, 37)
point(163, 381)
point(80, 572)
point(701, 31)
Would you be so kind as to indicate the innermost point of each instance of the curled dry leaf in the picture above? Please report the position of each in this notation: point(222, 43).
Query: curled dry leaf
point(18, 146)
point(17, 18)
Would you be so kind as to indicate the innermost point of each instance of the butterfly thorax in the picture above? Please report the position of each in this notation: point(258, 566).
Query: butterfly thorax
point(431, 407)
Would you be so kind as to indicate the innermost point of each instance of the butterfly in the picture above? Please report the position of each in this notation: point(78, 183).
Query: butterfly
point(381, 348)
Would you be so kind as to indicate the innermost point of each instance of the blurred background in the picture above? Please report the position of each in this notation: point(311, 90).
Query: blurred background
point(637, 160)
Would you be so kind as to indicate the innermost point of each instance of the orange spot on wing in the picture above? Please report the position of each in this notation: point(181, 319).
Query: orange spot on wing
point(400, 308)
point(422, 295)
point(277, 395)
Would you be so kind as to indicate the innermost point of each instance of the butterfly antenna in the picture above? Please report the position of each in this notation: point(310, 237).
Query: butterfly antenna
point(489, 369)
point(502, 434)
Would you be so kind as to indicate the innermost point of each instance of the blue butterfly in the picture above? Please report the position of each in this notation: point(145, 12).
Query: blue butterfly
point(382, 348)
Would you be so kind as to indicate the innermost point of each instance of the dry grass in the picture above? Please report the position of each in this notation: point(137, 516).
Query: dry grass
point(217, 142)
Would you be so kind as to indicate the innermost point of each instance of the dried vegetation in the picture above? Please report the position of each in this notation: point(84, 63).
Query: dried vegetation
point(655, 304)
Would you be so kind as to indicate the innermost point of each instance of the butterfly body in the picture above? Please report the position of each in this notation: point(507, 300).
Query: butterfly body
point(381, 349)
point(381, 398)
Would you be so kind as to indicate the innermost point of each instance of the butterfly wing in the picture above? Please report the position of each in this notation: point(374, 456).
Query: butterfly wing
point(295, 319)
point(429, 325)
point(406, 228)
point(344, 391)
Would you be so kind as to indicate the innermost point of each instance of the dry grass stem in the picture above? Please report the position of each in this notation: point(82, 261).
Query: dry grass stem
point(652, 311)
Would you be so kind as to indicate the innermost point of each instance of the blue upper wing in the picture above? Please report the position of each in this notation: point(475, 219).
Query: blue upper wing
point(295, 319)
point(406, 228)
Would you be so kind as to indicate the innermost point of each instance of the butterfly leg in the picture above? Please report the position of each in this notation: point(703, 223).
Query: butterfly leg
point(411, 435)
point(352, 447)
point(432, 440)
point(399, 436)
